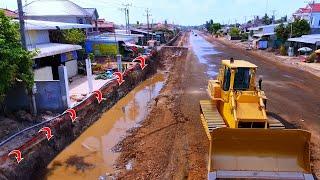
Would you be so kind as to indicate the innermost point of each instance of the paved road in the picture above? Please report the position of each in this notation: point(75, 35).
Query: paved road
point(293, 94)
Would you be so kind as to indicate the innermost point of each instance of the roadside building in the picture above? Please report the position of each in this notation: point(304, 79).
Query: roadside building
point(310, 13)
point(93, 13)
point(146, 36)
point(51, 55)
point(9, 13)
point(312, 41)
point(264, 37)
point(54, 65)
point(105, 26)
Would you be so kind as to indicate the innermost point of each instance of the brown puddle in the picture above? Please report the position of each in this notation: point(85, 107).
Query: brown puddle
point(90, 156)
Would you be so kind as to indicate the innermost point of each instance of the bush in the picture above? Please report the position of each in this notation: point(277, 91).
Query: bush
point(244, 37)
point(312, 58)
point(234, 32)
point(283, 51)
point(15, 62)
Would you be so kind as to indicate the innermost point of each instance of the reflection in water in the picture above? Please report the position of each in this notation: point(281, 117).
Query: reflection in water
point(203, 49)
point(95, 145)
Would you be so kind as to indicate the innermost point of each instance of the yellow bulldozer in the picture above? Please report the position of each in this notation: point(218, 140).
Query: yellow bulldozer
point(244, 141)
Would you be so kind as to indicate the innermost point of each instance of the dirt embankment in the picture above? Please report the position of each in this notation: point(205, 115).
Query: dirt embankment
point(171, 143)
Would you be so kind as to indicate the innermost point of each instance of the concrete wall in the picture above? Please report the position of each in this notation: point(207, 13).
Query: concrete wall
point(72, 68)
point(37, 37)
point(44, 73)
point(50, 96)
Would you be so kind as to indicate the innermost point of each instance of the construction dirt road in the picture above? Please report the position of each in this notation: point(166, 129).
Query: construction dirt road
point(171, 142)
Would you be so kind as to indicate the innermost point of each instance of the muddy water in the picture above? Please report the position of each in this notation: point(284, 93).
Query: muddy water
point(203, 49)
point(91, 155)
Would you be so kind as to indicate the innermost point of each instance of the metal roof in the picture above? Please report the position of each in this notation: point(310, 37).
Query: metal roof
point(54, 8)
point(238, 63)
point(50, 25)
point(308, 39)
point(263, 34)
point(50, 49)
point(264, 26)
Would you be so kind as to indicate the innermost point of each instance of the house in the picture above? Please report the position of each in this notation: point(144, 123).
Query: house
point(9, 13)
point(59, 11)
point(104, 26)
point(93, 13)
point(146, 36)
point(51, 55)
point(312, 41)
point(310, 13)
point(264, 35)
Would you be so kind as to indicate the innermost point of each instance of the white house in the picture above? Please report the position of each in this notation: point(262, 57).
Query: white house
point(310, 13)
point(51, 55)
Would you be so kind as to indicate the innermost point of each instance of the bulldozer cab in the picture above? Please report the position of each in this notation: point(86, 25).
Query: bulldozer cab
point(237, 75)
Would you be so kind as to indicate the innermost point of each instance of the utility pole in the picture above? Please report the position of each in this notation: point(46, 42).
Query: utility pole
point(126, 14)
point(33, 105)
point(273, 16)
point(148, 16)
point(21, 22)
point(311, 13)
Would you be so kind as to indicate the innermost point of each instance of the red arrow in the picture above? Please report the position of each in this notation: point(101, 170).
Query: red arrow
point(98, 95)
point(48, 132)
point(73, 114)
point(17, 154)
point(119, 77)
point(142, 61)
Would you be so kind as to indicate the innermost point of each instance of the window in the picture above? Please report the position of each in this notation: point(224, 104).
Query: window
point(242, 79)
point(226, 83)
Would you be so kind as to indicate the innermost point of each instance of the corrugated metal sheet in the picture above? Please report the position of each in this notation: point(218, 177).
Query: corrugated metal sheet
point(51, 49)
point(50, 25)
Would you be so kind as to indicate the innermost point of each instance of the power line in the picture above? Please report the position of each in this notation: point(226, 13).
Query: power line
point(148, 16)
point(126, 13)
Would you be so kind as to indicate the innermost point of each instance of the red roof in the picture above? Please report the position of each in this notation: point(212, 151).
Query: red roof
point(9, 13)
point(104, 24)
point(310, 8)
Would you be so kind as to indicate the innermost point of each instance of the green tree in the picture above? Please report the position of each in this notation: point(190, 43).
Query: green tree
point(15, 62)
point(299, 28)
point(234, 32)
point(266, 20)
point(74, 36)
point(215, 27)
point(282, 32)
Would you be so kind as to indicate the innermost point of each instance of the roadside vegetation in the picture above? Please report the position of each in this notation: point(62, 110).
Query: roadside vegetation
point(15, 61)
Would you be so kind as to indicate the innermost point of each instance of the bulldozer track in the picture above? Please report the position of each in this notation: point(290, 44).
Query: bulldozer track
point(212, 118)
point(211, 115)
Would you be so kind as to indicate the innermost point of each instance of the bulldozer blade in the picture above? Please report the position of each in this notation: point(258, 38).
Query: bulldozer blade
point(259, 150)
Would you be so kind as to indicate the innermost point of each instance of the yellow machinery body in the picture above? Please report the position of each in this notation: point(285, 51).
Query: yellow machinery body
point(244, 142)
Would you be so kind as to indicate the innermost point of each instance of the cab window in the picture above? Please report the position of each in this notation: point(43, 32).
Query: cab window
point(226, 79)
point(242, 79)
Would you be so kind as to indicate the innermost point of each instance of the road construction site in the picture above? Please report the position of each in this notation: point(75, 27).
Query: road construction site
point(155, 132)
point(171, 142)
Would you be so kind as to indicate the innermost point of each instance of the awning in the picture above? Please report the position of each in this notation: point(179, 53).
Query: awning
point(51, 25)
point(264, 34)
point(51, 49)
point(305, 40)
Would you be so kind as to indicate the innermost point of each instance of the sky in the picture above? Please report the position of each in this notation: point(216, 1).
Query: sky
point(185, 12)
